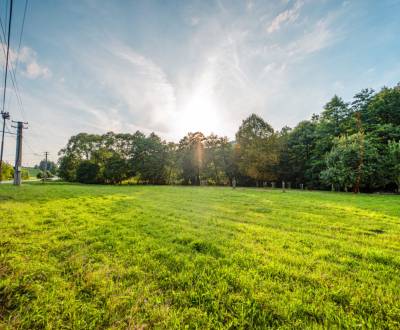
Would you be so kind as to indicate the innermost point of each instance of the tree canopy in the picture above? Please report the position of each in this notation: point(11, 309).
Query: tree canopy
point(351, 146)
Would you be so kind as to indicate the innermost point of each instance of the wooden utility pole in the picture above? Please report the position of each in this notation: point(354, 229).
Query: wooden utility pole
point(5, 116)
point(18, 153)
point(45, 166)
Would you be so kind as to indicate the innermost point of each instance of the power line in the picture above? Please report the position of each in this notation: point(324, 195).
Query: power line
point(14, 69)
point(7, 54)
point(8, 128)
point(30, 147)
point(20, 37)
point(7, 132)
point(5, 13)
point(5, 115)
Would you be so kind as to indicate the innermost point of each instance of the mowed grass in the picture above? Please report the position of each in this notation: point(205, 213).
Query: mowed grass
point(94, 257)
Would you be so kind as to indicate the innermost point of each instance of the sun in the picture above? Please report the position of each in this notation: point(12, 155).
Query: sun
point(199, 112)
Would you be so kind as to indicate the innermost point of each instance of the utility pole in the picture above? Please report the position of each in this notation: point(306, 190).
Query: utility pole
point(5, 116)
point(45, 166)
point(18, 153)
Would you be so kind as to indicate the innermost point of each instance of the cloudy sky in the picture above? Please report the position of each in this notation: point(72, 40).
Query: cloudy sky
point(178, 66)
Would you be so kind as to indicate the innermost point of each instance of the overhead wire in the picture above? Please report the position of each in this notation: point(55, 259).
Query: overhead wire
point(13, 71)
point(7, 55)
point(30, 147)
point(20, 37)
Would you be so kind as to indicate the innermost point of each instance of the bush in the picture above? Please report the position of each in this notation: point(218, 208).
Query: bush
point(41, 175)
point(7, 171)
point(24, 174)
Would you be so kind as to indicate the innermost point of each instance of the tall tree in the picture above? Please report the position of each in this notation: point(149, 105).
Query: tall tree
point(115, 168)
point(173, 171)
point(67, 166)
point(150, 160)
point(257, 149)
point(217, 163)
point(301, 145)
point(191, 157)
point(359, 110)
point(384, 107)
point(82, 145)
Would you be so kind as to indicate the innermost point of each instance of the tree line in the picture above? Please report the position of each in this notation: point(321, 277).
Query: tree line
point(348, 146)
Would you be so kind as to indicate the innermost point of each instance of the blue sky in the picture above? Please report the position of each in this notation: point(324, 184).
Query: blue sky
point(178, 66)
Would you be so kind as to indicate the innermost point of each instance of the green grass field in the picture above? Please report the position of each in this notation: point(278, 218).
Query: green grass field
point(87, 257)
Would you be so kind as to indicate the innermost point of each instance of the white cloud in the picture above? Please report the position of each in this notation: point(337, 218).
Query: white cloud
point(227, 73)
point(208, 75)
point(289, 15)
point(136, 87)
point(33, 70)
point(28, 63)
point(319, 37)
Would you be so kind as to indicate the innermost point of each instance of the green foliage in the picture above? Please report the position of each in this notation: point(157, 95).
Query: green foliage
point(333, 118)
point(384, 107)
point(257, 149)
point(24, 174)
point(101, 257)
point(7, 171)
point(316, 153)
point(219, 160)
point(41, 175)
point(115, 169)
point(205, 159)
point(150, 160)
point(352, 158)
point(51, 166)
point(117, 157)
point(88, 172)
point(67, 166)
point(314, 158)
point(33, 171)
point(191, 157)
point(394, 162)
point(173, 172)
point(298, 154)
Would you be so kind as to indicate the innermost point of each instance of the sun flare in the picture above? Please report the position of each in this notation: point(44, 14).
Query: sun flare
point(199, 111)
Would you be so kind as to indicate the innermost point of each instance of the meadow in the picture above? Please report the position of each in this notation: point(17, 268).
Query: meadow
point(138, 257)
